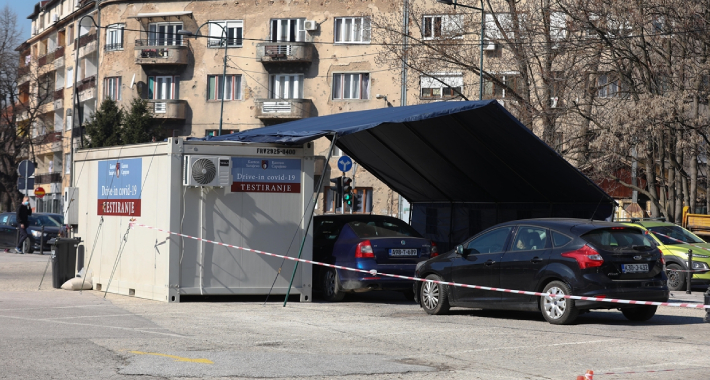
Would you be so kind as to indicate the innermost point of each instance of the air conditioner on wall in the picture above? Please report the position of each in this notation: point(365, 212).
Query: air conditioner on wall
point(55, 18)
point(310, 25)
point(207, 171)
point(489, 45)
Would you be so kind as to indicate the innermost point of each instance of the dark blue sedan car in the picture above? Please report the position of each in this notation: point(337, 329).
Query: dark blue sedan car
point(366, 242)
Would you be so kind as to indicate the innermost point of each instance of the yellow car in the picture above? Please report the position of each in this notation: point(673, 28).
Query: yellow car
point(676, 253)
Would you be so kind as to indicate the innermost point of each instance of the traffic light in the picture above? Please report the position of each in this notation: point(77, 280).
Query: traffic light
point(338, 190)
point(348, 191)
point(356, 201)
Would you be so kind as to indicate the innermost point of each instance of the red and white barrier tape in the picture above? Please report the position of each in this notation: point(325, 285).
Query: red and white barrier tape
point(373, 272)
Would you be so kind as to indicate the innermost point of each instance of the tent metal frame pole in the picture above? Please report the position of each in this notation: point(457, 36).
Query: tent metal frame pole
point(313, 210)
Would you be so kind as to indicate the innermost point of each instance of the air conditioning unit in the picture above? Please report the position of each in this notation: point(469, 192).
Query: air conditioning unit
point(489, 45)
point(310, 25)
point(55, 18)
point(34, 31)
point(207, 171)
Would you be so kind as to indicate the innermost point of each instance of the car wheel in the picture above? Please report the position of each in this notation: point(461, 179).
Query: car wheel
point(27, 246)
point(433, 296)
point(639, 313)
point(331, 286)
point(557, 310)
point(676, 279)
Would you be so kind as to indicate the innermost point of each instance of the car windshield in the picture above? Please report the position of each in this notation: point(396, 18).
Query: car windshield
point(43, 220)
point(617, 238)
point(675, 232)
point(383, 228)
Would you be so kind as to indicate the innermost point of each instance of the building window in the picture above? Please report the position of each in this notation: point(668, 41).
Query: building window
point(164, 33)
point(558, 26)
point(233, 90)
point(493, 31)
point(164, 87)
point(442, 26)
point(233, 28)
point(351, 86)
point(608, 87)
point(354, 30)
point(286, 86)
point(70, 77)
point(68, 125)
point(441, 85)
point(215, 132)
point(288, 30)
point(67, 163)
point(510, 83)
point(114, 37)
point(112, 88)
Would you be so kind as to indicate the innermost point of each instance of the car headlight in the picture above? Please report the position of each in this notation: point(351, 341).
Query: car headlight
point(699, 255)
point(36, 234)
point(697, 265)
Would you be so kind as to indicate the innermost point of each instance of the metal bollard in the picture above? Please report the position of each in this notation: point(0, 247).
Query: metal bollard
point(689, 274)
point(41, 242)
point(17, 236)
point(707, 302)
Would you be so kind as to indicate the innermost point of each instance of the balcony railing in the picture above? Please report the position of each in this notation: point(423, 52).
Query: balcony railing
point(85, 39)
point(167, 108)
point(59, 94)
point(86, 84)
point(51, 177)
point(162, 52)
point(285, 109)
point(268, 52)
point(114, 46)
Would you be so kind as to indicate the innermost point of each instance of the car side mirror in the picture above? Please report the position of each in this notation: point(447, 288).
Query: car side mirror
point(459, 250)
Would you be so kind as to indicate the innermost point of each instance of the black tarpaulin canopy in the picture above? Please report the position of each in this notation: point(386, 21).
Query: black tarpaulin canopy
point(445, 152)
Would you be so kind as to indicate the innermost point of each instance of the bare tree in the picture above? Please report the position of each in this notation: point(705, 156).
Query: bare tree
point(24, 96)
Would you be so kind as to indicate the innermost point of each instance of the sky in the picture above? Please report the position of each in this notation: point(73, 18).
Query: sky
point(23, 8)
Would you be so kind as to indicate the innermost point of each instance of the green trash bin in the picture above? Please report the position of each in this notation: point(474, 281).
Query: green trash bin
point(63, 260)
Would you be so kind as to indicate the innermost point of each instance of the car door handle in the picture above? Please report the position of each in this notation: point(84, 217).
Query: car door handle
point(489, 263)
point(536, 260)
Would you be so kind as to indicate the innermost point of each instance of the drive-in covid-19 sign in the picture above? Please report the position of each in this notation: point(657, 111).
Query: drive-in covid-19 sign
point(119, 189)
point(266, 175)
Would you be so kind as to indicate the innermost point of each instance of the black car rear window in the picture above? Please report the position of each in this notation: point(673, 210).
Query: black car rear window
point(383, 228)
point(617, 238)
point(559, 239)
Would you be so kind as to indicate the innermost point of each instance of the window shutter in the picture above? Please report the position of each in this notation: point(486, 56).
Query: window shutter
point(151, 87)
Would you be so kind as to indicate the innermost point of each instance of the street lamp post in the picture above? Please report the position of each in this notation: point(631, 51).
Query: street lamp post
point(224, 70)
point(483, 25)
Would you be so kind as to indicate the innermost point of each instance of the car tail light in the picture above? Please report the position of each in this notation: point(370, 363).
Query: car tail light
point(587, 257)
point(434, 250)
point(364, 250)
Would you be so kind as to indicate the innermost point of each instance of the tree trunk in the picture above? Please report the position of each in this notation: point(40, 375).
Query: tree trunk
point(651, 178)
point(679, 186)
point(693, 178)
point(671, 179)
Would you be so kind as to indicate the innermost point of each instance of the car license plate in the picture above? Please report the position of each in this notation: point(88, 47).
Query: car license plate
point(403, 252)
point(634, 268)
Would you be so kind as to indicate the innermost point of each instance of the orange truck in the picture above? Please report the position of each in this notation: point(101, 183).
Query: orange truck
point(698, 224)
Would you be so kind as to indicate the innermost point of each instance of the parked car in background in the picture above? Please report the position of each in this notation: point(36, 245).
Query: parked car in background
point(367, 242)
point(676, 252)
point(557, 256)
point(8, 231)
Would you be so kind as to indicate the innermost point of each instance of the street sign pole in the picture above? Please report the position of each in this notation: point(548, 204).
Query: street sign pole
point(26, 178)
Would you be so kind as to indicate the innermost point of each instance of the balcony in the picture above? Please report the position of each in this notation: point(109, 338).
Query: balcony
point(59, 99)
point(157, 52)
point(87, 88)
point(283, 109)
point(48, 142)
point(278, 52)
point(167, 108)
point(87, 44)
point(44, 178)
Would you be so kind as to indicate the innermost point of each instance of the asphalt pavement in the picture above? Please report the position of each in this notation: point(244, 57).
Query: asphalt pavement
point(58, 334)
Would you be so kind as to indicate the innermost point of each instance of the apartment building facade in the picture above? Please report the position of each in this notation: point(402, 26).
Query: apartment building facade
point(286, 60)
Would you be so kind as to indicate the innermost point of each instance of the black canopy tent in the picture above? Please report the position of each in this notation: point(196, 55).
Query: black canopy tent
point(463, 166)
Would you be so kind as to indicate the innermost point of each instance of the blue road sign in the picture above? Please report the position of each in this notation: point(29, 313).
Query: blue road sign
point(21, 184)
point(26, 168)
point(345, 163)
